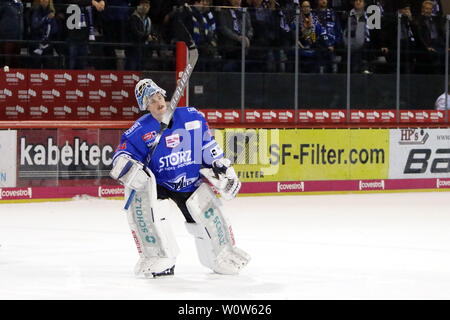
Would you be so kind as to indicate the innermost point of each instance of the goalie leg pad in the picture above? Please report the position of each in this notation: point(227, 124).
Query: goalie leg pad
point(213, 233)
point(152, 233)
point(205, 249)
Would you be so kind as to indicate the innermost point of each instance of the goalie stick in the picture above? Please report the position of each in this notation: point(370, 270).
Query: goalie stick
point(177, 94)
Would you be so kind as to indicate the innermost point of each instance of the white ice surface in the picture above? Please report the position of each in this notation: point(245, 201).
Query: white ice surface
point(358, 246)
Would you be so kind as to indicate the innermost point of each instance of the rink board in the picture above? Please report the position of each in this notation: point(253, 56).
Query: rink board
point(65, 163)
point(261, 155)
point(62, 95)
point(36, 194)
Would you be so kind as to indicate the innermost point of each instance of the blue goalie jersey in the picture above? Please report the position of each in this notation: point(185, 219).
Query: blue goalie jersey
point(185, 147)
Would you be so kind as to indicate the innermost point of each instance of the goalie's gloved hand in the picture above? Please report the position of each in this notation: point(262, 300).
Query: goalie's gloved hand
point(131, 173)
point(222, 168)
point(223, 177)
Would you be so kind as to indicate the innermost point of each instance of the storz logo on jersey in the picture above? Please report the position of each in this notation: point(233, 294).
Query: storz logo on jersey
point(175, 159)
point(180, 182)
point(173, 140)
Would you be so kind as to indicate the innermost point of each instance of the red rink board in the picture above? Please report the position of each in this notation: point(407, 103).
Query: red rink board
point(39, 95)
point(90, 95)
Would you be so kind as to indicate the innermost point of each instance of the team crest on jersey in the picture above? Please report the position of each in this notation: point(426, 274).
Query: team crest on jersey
point(173, 140)
point(180, 182)
point(148, 137)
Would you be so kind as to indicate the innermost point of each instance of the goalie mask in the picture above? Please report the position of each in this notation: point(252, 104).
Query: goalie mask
point(145, 89)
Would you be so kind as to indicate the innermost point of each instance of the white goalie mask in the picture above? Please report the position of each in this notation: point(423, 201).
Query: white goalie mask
point(144, 89)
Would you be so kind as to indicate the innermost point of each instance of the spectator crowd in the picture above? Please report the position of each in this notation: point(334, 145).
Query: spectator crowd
point(140, 34)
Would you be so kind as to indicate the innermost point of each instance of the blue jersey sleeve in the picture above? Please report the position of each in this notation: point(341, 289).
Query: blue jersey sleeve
point(211, 150)
point(135, 141)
